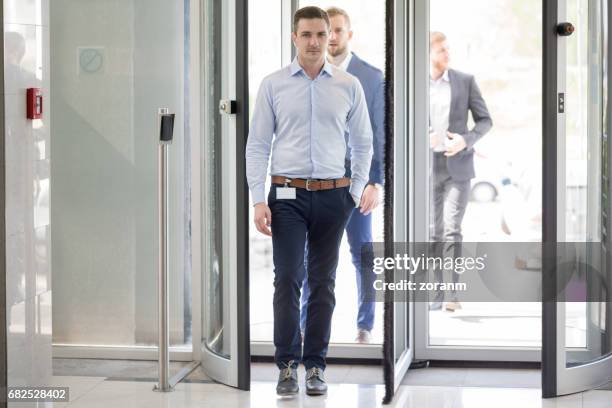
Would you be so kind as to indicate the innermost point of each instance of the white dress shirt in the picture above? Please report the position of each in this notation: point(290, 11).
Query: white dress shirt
point(439, 108)
point(345, 63)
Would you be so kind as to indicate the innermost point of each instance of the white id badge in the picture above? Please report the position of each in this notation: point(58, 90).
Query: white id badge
point(285, 193)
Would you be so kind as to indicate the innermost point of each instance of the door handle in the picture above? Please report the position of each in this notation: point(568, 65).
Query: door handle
point(227, 107)
point(565, 29)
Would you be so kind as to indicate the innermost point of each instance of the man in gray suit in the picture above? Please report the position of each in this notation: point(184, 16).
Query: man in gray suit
point(451, 95)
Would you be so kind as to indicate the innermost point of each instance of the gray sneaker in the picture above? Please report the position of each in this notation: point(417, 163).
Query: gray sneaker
point(315, 383)
point(287, 380)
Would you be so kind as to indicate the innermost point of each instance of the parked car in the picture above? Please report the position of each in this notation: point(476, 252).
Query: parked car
point(490, 173)
point(521, 202)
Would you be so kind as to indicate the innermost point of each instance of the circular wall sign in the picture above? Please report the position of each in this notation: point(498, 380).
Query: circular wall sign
point(91, 60)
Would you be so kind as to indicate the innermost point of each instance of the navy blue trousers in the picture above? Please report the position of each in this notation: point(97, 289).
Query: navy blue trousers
point(358, 233)
point(317, 218)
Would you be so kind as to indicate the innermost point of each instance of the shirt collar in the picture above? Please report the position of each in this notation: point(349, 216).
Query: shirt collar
point(345, 63)
point(444, 77)
point(295, 67)
point(327, 67)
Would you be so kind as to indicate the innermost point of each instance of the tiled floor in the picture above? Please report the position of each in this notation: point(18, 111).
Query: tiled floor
point(96, 392)
point(335, 373)
point(350, 386)
point(475, 377)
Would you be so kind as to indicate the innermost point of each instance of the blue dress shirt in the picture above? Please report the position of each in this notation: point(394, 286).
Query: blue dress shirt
point(302, 122)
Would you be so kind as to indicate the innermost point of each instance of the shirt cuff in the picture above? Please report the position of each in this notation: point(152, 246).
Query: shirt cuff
point(356, 191)
point(258, 195)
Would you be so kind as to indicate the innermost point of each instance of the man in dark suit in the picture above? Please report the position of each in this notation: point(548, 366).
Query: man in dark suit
point(359, 227)
point(452, 94)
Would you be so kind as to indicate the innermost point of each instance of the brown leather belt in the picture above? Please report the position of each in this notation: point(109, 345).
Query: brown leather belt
point(312, 184)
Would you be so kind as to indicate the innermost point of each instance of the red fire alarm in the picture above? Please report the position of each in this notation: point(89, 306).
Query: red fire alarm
point(35, 103)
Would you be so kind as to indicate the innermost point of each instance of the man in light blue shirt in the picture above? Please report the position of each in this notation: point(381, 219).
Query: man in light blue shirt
point(301, 115)
point(359, 226)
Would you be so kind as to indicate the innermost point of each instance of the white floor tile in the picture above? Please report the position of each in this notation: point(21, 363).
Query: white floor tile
point(359, 374)
point(436, 376)
point(78, 386)
point(427, 397)
point(473, 397)
point(597, 399)
point(503, 378)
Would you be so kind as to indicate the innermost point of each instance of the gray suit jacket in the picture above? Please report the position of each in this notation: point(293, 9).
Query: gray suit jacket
point(465, 96)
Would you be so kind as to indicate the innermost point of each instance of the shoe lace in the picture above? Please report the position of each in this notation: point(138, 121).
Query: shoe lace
point(287, 372)
point(315, 372)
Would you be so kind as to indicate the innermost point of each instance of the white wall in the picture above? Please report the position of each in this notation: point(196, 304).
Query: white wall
point(27, 194)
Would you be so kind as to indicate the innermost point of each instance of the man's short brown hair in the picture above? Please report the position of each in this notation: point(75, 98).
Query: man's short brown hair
point(337, 11)
point(308, 13)
point(436, 37)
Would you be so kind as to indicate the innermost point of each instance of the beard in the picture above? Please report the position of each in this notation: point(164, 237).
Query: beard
point(338, 51)
point(441, 66)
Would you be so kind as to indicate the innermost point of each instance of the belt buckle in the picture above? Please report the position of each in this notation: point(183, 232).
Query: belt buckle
point(308, 184)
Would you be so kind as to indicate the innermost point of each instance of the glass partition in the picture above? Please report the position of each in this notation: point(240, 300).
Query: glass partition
point(265, 57)
point(576, 348)
point(223, 205)
point(113, 65)
point(215, 296)
point(587, 337)
point(499, 44)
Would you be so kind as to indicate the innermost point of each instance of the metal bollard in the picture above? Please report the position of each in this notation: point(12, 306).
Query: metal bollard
point(166, 127)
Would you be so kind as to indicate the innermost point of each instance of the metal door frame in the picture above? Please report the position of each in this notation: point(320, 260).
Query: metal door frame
point(234, 369)
point(557, 378)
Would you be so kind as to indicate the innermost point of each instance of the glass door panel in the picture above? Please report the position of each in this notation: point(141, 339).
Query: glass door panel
point(576, 350)
point(398, 347)
point(500, 45)
point(581, 190)
point(275, 24)
point(265, 56)
point(113, 65)
point(367, 18)
point(225, 259)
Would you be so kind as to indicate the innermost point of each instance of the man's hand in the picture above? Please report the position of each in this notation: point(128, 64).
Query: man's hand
point(456, 145)
point(263, 218)
point(369, 199)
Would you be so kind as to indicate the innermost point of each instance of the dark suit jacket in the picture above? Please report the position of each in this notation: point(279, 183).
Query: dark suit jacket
point(373, 84)
point(465, 96)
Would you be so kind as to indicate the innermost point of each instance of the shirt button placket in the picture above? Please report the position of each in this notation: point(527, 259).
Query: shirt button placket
point(312, 125)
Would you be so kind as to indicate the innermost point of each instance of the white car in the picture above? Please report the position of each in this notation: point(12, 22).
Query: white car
point(490, 174)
